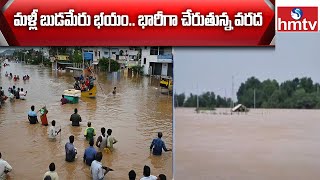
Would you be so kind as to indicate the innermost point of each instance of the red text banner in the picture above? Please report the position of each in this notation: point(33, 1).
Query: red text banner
point(137, 22)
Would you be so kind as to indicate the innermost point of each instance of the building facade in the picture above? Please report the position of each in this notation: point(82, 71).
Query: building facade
point(157, 60)
point(123, 55)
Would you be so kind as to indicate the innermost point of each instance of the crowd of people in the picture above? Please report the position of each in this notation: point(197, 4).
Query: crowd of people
point(16, 77)
point(16, 93)
point(92, 156)
point(84, 84)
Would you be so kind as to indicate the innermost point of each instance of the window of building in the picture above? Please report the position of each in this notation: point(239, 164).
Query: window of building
point(106, 53)
point(154, 50)
point(165, 50)
point(144, 60)
point(161, 50)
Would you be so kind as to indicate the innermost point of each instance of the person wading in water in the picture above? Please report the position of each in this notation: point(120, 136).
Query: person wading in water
point(102, 140)
point(157, 145)
point(114, 90)
point(89, 132)
point(32, 116)
point(75, 118)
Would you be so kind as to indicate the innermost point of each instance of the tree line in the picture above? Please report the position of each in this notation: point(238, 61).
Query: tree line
point(34, 57)
point(298, 93)
point(207, 100)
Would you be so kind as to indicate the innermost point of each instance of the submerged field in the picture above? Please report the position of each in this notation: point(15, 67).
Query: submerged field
point(261, 145)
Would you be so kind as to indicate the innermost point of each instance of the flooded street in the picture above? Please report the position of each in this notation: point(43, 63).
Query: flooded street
point(262, 145)
point(135, 115)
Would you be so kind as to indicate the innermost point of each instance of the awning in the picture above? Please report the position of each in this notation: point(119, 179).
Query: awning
point(95, 63)
point(64, 63)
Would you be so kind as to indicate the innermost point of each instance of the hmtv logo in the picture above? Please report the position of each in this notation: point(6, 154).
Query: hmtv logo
point(297, 19)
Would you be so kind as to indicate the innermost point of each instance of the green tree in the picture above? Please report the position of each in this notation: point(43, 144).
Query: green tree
point(191, 101)
point(104, 65)
point(55, 49)
point(137, 69)
point(306, 84)
point(296, 93)
point(77, 56)
point(179, 99)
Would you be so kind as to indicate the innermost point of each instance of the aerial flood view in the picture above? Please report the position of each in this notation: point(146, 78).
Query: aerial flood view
point(248, 114)
point(82, 113)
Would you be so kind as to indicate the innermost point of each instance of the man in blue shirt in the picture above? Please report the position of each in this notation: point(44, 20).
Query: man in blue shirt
point(158, 145)
point(89, 153)
point(32, 116)
point(70, 150)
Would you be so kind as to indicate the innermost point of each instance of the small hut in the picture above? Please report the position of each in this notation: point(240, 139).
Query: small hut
point(240, 108)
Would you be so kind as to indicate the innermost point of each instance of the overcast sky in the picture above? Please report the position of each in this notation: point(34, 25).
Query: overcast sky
point(211, 69)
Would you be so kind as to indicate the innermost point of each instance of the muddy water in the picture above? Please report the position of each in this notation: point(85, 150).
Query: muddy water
point(135, 115)
point(262, 145)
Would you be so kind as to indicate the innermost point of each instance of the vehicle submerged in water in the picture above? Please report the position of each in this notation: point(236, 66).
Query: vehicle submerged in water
point(72, 95)
point(167, 83)
point(90, 93)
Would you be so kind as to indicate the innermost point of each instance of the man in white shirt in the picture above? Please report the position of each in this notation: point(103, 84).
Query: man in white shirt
point(52, 172)
point(4, 168)
point(52, 131)
point(98, 171)
point(11, 96)
point(110, 140)
point(147, 174)
point(22, 94)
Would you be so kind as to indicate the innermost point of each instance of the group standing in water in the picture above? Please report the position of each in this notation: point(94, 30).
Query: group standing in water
point(26, 77)
point(17, 93)
point(92, 157)
point(16, 77)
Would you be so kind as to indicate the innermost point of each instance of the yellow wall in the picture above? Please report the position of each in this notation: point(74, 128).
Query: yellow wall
point(62, 57)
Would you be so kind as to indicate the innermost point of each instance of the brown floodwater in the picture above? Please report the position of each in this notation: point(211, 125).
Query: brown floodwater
point(135, 114)
point(262, 145)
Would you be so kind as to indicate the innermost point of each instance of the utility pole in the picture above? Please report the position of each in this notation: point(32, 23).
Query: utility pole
point(198, 110)
point(42, 56)
point(109, 68)
point(82, 55)
point(254, 98)
point(232, 92)
point(225, 94)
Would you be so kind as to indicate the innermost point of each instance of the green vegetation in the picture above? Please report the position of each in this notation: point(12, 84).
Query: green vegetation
point(76, 56)
point(207, 100)
point(297, 93)
point(74, 53)
point(137, 69)
point(32, 56)
point(54, 50)
point(104, 65)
